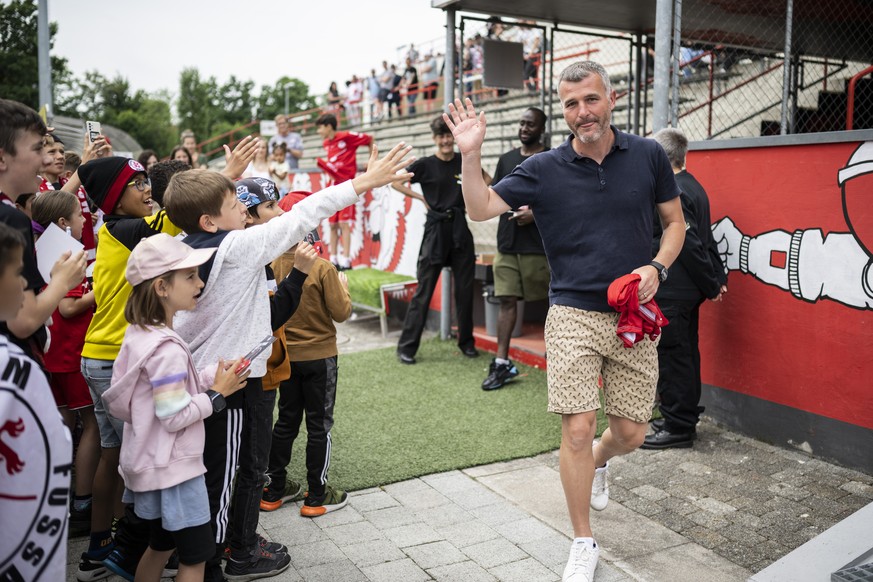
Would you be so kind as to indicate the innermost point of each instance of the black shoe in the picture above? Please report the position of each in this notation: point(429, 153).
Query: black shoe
point(80, 522)
point(664, 439)
point(262, 564)
point(470, 352)
point(405, 359)
point(498, 375)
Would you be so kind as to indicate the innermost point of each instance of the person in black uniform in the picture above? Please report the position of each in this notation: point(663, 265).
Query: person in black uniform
point(697, 274)
point(521, 270)
point(447, 242)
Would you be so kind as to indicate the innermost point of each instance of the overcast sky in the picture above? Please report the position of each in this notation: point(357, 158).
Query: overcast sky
point(149, 42)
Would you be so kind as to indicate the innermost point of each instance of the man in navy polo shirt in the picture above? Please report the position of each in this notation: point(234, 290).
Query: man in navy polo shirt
point(592, 199)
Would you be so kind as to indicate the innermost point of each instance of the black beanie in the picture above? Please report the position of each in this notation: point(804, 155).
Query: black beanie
point(105, 179)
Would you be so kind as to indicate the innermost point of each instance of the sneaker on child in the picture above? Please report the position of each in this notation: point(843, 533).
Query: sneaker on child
point(600, 489)
point(91, 566)
point(262, 564)
point(499, 374)
point(332, 500)
point(122, 564)
point(272, 500)
point(582, 562)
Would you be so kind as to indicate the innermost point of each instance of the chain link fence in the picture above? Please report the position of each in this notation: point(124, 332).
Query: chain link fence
point(738, 65)
point(742, 69)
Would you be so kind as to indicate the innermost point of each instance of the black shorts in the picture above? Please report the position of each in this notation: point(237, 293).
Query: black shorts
point(430, 91)
point(193, 544)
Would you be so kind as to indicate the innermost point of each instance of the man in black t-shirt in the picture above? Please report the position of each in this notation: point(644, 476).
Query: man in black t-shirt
point(447, 242)
point(410, 81)
point(521, 270)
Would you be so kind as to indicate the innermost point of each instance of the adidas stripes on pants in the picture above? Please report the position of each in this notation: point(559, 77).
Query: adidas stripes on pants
point(220, 455)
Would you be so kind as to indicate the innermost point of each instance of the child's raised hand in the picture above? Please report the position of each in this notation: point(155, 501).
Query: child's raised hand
point(237, 161)
point(344, 280)
point(304, 257)
point(227, 381)
point(383, 171)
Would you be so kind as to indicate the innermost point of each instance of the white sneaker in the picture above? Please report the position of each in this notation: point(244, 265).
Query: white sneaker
point(600, 489)
point(582, 562)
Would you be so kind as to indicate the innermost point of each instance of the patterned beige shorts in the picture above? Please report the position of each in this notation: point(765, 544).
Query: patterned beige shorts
point(581, 346)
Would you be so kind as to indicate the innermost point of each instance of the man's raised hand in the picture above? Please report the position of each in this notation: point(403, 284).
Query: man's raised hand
point(383, 171)
point(467, 127)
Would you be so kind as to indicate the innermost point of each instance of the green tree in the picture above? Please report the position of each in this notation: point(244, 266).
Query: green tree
point(197, 105)
point(145, 117)
point(271, 101)
point(19, 63)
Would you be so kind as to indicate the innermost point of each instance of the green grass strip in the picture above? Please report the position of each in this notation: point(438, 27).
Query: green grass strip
point(395, 422)
point(364, 284)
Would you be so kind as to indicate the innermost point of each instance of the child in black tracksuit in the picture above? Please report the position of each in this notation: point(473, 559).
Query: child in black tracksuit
point(312, 350)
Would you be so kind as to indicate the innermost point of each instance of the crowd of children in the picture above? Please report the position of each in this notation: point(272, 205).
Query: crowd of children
point(146, 357)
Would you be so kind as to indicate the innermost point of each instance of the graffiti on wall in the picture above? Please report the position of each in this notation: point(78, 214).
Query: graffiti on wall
point(387, 235)
point(794, 225)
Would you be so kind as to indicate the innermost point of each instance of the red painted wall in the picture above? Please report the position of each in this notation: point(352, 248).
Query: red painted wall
point(811, 353)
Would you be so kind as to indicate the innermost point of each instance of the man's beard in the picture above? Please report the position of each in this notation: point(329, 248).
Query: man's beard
point(602, 126)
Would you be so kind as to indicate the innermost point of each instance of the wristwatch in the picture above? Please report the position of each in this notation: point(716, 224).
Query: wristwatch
point(218, 401)
point(662, 271)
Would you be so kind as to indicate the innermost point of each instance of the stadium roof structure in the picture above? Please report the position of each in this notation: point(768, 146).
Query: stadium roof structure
point(835, 29)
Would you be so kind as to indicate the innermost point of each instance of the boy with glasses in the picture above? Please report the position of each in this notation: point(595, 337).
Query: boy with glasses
point(121, 189)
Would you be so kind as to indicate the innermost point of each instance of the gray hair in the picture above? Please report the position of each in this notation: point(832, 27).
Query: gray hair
point(582, 70)
point(675, 144)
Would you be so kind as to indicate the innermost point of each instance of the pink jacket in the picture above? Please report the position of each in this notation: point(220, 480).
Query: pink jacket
point(160, 396)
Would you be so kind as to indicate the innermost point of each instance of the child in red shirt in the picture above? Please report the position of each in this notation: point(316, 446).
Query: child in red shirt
point(62, 360)
point(341, 165)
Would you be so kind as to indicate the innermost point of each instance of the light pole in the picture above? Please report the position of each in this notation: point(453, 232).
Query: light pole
point(285, 88)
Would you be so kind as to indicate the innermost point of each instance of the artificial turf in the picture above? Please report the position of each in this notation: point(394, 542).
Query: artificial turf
point(396, 422)
point(364, 284)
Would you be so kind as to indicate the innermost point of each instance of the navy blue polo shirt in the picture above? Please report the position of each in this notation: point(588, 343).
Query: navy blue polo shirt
point(596, 220)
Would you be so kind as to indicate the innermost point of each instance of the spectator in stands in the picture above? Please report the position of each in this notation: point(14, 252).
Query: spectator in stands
point(292, 140)
point(393, 99)
point(412, 53)
point(182, 154)
point(386, 83)
point(373, 90)
point(341, 165)
point(189, 142)
point(279, 169)
point(148, 158)
point(429, 79)
point(531, 39)
point(334, 100)
point(354, 96)
point(447, 242)
point(410, 83)
point(521, 271)
point(259, 167)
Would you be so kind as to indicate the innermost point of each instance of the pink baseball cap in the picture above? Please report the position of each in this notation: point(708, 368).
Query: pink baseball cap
point(160, 254)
